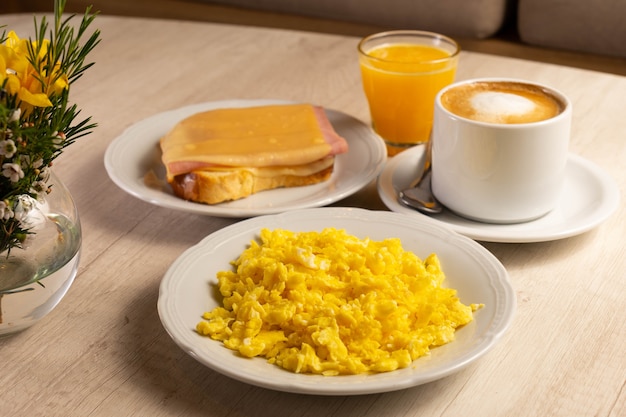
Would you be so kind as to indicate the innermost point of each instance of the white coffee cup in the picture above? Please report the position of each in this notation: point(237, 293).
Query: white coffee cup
point(487, 169)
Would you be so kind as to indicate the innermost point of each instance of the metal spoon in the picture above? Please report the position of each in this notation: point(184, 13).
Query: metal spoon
point(419, 195)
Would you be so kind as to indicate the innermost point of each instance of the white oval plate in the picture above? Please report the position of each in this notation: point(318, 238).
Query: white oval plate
point(136, 152)
point(589, 197)
point(186, 293)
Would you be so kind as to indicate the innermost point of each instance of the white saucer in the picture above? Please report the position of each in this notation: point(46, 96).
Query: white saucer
point(136, 153)
point(589, 197)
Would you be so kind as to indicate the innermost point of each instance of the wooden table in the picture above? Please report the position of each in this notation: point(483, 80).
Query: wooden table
point(103, 350)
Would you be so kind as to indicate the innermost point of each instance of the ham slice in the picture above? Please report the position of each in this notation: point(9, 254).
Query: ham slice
point(337, 143)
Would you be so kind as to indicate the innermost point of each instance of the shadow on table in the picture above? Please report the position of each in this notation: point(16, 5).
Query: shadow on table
point(524, 255)
point(366, 198)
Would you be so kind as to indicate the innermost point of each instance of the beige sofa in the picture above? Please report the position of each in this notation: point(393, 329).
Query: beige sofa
point(584, 33)
point(463, 18)
point(596, 26)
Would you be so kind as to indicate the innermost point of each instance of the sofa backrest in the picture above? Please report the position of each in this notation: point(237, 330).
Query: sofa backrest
point(463, 18)
point(597, 26)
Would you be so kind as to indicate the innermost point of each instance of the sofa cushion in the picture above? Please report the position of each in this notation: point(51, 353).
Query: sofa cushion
point(463, 18)
point(597, 26)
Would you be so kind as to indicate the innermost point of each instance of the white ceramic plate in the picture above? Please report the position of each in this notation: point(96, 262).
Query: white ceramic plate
point(136, 152)
point(185, 294)
point(589, 197)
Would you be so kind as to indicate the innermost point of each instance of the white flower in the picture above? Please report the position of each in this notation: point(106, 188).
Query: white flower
point(5, 210)
point(58, 139)
point(12, 171)
point(24, 205)
point(7, 148)
point(39, 188)
point(44, 173)
point(30, 213)
point(24, 161)
point(15, 115)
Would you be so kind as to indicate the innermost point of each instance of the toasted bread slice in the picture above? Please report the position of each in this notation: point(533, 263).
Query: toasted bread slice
point(212, 187)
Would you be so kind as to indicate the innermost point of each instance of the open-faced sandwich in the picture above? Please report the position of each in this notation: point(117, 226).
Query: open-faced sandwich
point(227, 154)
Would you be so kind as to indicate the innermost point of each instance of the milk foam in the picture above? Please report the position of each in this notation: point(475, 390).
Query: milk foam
point(501, 102)
point(497, 106)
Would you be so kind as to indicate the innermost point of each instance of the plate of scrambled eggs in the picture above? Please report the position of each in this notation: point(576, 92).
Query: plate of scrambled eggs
point(336, 301)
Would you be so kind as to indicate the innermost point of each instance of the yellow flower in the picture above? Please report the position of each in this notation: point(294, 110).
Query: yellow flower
point(10, 67)
point(18, 45)
point(32, 85)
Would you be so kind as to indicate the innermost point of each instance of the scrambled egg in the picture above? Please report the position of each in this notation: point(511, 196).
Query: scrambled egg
point(329, 303)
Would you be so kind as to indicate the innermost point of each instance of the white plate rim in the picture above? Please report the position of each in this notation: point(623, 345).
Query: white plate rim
point(552, 226)
point(353, 170)
point(180, 278)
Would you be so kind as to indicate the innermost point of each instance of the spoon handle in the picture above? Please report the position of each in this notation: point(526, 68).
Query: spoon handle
point(419, 195)
point(425, 166)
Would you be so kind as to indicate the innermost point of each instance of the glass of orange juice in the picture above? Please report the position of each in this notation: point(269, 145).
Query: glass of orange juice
point(402, 72)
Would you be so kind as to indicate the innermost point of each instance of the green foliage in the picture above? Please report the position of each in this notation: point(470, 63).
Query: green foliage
point(37, 120)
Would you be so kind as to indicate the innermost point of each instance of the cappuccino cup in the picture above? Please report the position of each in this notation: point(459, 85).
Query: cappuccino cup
point(500, 149)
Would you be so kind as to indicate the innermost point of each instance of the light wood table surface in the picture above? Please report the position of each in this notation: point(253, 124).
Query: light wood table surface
point(103, 350)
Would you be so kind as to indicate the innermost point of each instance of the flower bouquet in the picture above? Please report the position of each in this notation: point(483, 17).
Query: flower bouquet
point(37, 122)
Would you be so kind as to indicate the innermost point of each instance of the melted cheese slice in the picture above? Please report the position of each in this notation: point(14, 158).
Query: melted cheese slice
point(303, 170)
point(253, 137)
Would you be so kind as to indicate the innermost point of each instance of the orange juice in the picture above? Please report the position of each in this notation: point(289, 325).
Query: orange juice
point(401, 81)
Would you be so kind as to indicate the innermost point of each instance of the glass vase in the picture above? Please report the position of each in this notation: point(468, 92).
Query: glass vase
point(36, 276)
